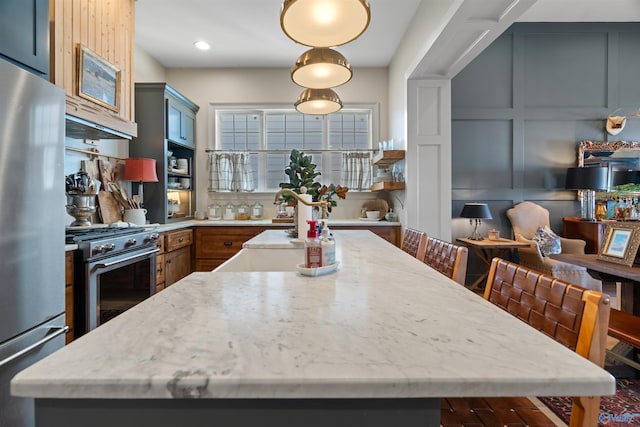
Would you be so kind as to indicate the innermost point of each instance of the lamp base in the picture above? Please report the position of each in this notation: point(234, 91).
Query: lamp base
point(476, 234)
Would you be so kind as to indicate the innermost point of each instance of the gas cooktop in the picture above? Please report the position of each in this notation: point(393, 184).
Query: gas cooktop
point(76, 235)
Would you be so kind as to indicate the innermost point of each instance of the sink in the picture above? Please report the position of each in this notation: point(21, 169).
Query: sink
point(274, 259)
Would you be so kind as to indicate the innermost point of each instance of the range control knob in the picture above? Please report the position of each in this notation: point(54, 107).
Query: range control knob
point(153, 237)
point(130, 242)
point(101, 249)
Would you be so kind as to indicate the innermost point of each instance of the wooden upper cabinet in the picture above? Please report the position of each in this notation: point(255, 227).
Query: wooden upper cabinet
point(106, 28)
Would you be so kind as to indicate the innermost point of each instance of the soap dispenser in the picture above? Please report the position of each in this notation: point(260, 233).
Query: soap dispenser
point(312, 247)
point(328, 245)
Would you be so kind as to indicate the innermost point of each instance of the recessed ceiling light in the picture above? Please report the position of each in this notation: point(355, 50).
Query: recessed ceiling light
point(202, 45)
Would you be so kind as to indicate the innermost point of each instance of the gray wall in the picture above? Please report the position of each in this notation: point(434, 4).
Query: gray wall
point(522, 106)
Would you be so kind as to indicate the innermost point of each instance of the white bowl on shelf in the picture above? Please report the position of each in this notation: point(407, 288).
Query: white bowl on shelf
point(373, 214)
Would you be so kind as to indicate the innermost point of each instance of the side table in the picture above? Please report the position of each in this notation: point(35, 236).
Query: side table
point(487, 249)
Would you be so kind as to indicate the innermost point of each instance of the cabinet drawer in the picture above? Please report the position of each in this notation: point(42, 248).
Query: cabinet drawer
point(160, 268)
point(178, 239)
point(160, 244)
point(222, 242)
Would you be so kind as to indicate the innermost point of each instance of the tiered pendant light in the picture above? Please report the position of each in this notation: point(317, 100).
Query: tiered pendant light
point(318, 101)
point(320, 68)
point(324, 23)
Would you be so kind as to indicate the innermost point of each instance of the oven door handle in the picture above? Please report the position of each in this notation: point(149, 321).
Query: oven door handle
point(58, 330)
point(121, 260)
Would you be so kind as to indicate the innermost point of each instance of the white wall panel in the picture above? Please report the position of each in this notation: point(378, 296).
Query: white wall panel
point(428, 163)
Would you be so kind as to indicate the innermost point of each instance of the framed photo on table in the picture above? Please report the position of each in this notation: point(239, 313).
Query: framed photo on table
point(621, 243)
point(98, 80)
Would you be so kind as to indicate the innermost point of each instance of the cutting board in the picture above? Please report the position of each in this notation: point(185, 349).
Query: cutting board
point(109, 208)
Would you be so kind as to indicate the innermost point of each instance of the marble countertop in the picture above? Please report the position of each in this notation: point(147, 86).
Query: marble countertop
point(392, 329)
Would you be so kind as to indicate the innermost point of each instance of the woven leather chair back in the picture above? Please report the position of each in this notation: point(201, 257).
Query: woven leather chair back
point(414, 242)
point(447, 258)
point(571, 315)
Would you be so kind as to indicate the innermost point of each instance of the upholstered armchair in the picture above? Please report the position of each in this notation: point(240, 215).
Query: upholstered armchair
point(526, 218)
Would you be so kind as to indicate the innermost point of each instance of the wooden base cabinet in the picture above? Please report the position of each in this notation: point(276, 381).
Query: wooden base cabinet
point(68, 291)
point(592, 232)
point(391, 233)
point(160, 276)
point(177, 256)
point(215, 245)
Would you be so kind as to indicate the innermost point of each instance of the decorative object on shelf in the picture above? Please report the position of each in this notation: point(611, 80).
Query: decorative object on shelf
point(477, 212)
point(615, 124)
point(324, 23)
point(588, 181)
point(321, 68)
point(318, 101)
point(142, 170)
point(98, 80)
point(621, 243)
point(601, 211)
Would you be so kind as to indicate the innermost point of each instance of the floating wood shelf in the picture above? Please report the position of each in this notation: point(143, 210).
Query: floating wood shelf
point(387, 157)
point(387, 186)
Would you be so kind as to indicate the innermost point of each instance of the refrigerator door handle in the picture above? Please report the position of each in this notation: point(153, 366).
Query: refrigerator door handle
point(58, 330)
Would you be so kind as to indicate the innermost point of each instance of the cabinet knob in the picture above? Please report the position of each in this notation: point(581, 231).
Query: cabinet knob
point(180, 239)
point(228, 243)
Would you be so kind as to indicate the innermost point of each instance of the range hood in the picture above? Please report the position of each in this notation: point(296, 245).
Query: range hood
point(78, 128)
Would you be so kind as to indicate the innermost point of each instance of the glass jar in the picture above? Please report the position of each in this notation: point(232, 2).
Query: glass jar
point(256, 211)
point(215, 212)
point(229, 212)
point(242, 212)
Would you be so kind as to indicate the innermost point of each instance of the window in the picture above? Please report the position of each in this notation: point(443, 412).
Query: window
point(266, 137)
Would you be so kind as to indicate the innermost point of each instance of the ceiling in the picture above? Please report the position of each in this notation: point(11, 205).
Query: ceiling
point(247, 33)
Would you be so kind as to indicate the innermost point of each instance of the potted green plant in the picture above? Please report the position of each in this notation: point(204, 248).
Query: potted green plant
point(302, 173)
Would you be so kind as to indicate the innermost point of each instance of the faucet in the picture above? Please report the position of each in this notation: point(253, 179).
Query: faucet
point(321, 203)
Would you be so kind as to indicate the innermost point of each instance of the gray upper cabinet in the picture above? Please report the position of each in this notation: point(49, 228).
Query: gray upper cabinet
point(181, 123)
point(166, 127)
point(24, 34)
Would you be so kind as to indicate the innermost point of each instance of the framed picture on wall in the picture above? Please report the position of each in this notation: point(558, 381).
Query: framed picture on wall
point(621, 243)
point(98, 80)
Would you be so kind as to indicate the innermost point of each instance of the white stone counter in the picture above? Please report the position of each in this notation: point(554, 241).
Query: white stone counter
point(267, 222)
point(384, 325)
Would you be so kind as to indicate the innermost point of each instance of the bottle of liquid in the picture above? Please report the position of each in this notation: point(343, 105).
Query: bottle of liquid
point(328, 245)
point(312, 247)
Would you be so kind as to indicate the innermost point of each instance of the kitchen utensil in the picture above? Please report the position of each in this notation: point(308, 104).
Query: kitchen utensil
point(109, 208)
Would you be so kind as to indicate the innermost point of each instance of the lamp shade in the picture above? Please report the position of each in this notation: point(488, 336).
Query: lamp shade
point(140, 169)
point(476, 211)
point(625, 177)
point(318, 101)
point(595, 178)
point(324, 23)
point(321, 68)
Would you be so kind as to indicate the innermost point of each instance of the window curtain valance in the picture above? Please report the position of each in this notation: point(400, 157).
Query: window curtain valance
point(356, 170)
point(230, 171)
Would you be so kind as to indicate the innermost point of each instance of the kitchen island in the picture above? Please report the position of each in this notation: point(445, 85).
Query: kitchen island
point(378, 343)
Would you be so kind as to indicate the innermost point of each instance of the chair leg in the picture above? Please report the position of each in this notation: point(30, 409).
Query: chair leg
point(585, 411)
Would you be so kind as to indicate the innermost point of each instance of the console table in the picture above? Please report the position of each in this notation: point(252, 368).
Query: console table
point(609, 272)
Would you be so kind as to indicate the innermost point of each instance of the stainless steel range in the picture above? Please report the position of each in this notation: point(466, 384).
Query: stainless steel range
point(116, 269)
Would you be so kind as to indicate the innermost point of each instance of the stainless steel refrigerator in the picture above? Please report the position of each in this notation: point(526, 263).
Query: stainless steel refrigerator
point(32, 282)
